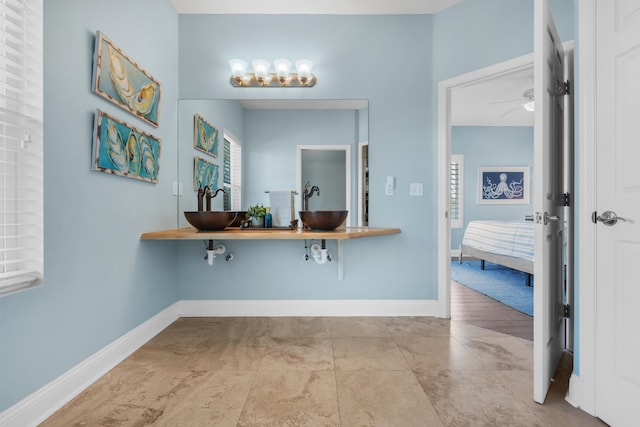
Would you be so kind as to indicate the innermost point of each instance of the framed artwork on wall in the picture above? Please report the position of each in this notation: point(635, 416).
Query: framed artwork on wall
point(503, 185)
point(121, 149)
point(119, 79)
point(205, 136)
point(204, 173)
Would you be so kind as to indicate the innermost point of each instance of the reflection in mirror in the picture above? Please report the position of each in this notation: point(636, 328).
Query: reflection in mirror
point(327, 169)
point(267, 134)
point(363, 184)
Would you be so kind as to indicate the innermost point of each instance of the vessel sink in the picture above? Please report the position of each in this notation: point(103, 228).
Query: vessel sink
point(323, 220)
point(210, 220)
point(240, 218)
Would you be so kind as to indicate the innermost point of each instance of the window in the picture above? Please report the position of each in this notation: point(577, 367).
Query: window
point(232, 174)
point(21, 155)
point(456, 201)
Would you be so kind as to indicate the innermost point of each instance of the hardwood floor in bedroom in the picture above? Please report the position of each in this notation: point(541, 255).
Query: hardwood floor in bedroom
point(474, 308)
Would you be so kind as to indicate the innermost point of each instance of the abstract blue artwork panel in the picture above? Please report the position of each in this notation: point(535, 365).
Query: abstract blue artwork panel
point(205, 136)
point(119, 79)
point(121, 149)
point(205, 173)
point(503, 185)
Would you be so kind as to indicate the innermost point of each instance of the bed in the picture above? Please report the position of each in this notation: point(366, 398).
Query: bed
point(507, 243)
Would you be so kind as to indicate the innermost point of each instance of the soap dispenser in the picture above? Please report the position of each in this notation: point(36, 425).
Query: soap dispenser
point(268, 219)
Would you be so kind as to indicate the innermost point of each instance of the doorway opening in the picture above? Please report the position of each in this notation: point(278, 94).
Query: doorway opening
point(446, 105)
point(550, 324)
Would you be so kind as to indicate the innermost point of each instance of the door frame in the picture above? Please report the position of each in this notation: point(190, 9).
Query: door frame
point(445, 87)
point(582, 386)
point(363, 185)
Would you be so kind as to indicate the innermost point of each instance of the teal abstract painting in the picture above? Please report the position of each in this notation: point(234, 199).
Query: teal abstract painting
point(205, 136)
point(123, 150)
point(117, 78)
point(205, 173)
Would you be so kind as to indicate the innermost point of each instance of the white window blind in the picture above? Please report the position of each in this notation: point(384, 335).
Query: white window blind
point(232, 174)
point(21, 154)
point(456, 200)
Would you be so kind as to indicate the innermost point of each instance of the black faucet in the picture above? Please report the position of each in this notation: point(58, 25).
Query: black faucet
point(307, 194)
point(205, 192)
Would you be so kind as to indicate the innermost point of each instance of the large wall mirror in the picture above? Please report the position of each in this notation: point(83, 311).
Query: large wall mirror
point(269, 134)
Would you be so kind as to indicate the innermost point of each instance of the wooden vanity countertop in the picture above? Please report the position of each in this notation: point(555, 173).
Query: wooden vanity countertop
point(231, 233)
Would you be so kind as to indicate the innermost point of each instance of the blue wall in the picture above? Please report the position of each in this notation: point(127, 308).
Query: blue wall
point(100, 280)
point(491, 146)
point(477, 33)
point(351, 62)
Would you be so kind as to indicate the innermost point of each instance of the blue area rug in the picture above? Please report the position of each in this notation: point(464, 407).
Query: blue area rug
point(495, 281)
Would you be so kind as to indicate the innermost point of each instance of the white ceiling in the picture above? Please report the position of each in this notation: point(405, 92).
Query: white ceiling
point(495, 101)
point(334, 7)
point(478, 104)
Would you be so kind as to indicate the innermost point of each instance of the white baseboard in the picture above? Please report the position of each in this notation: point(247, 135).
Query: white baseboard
point(289, 308)
point(573, 393)
point(455, 253)
point(37, 407)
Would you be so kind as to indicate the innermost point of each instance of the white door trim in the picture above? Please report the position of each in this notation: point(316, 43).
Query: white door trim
point(361, 184)
point(444, 159)
point(584, 396)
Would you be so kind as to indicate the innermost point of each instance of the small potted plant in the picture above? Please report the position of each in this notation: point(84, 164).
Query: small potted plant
point(256, 215)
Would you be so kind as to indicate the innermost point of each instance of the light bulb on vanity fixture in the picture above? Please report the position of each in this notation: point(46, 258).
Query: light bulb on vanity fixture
point(262, 77)
point(261, 71)
point(283, 69)
point(303, 66)
point(238, 70)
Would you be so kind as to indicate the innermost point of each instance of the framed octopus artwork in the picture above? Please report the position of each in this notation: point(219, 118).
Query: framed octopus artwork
point(503, 185)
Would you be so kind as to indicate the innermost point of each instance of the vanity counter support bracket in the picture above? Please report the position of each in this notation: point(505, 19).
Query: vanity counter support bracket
point(340, 259)
point(341, 234)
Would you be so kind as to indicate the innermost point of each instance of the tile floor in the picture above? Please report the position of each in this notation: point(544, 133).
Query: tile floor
point(391, 371)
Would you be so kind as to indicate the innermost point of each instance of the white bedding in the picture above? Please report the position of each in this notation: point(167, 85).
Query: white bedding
point(509, 238)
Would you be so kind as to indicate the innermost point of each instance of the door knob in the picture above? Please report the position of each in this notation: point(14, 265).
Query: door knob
point(548, 218)
point(545, 218)
point(607, 218)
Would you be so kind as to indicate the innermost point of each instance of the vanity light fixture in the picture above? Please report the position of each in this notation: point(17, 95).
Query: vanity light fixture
point(262, 77)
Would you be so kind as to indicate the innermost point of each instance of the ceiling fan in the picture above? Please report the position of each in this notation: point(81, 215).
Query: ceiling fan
point(526, 101)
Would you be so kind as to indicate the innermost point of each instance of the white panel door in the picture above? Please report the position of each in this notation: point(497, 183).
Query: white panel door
point(548, 321)
point(618, 191)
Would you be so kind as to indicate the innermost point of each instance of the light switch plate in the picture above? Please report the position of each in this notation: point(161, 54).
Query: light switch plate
point(177, 189)
point(415, 189)
point(388, 186)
